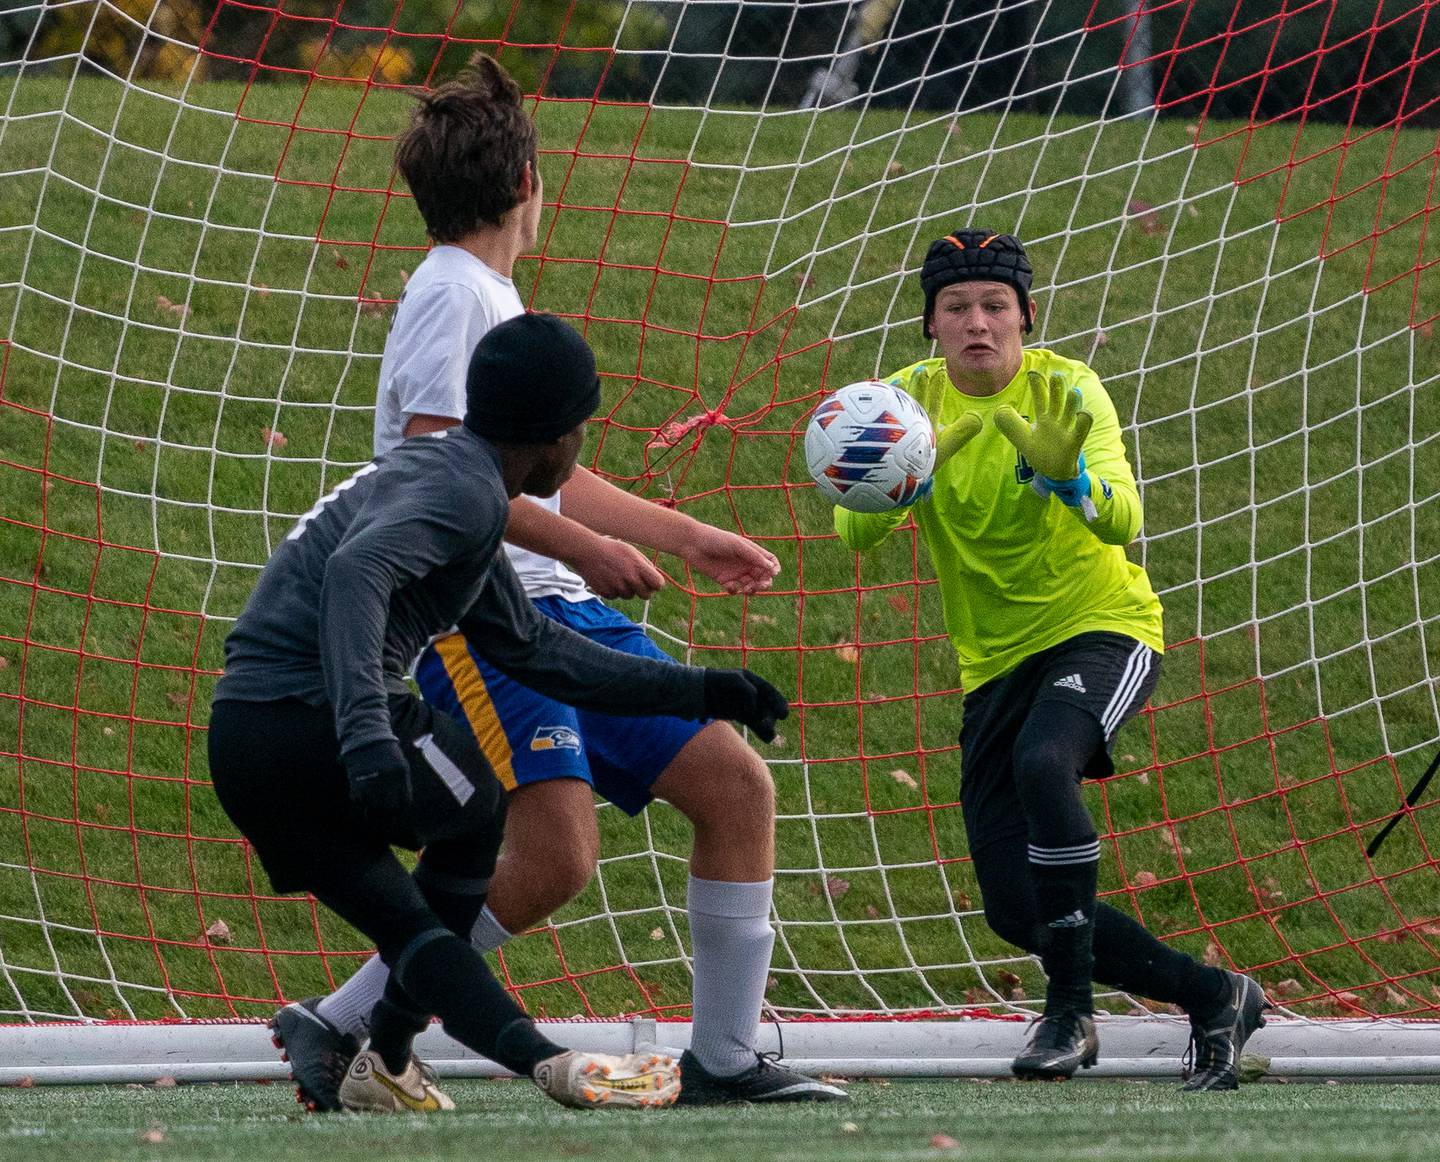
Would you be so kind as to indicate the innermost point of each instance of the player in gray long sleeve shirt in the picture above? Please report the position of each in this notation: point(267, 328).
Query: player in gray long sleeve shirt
point(324, 758)
point(401, 551)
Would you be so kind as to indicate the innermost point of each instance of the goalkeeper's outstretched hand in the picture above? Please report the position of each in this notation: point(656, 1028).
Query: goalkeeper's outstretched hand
point(955, 436)
point(1053, 442)
point(1050, 442)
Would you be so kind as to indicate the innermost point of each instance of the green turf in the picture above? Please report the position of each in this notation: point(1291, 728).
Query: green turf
point(898, 1120)
point(1282, 524)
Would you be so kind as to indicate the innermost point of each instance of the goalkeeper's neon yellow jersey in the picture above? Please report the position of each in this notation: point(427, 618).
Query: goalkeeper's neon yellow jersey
point(1019, 572)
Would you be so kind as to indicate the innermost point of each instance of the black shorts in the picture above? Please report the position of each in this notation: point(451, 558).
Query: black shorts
point(277, 772)
point(1107, 675)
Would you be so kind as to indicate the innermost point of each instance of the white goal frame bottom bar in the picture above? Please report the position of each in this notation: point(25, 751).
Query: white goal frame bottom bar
point(1131, 1047)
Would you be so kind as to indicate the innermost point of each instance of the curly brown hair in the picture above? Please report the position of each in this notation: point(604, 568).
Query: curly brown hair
point(466, 149)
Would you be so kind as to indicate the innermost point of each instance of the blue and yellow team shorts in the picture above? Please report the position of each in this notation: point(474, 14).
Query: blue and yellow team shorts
point(529, 738)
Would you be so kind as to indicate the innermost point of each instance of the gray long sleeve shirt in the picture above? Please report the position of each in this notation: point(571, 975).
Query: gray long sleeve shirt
point(407, 548)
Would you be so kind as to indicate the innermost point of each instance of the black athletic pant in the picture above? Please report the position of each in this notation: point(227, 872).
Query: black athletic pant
point(277, 772)
point(1028, 739)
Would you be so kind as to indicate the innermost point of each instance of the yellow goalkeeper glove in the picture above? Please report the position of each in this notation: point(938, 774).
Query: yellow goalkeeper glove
point(1053, 442)
point(954, 437)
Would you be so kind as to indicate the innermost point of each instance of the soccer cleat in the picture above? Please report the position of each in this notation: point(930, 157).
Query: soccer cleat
point(1063, 1042)
point(371, 1088)
point(766, 1081)
point(588, 1081)
point(1216, 1038)
point(318, 1053)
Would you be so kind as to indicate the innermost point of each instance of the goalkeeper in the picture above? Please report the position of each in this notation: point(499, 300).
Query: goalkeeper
point(1059, 637)
point(325, 760)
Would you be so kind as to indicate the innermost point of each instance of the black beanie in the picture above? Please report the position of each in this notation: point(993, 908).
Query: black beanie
point(975, 254)
point(531, 380)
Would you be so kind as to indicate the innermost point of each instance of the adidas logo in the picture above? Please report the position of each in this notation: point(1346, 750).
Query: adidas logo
point(1073, 682)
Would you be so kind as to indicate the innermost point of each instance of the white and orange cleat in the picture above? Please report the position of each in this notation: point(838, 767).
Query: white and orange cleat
point(590, 1081)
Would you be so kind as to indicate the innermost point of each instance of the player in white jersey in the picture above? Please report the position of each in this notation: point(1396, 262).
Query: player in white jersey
point(471, 161)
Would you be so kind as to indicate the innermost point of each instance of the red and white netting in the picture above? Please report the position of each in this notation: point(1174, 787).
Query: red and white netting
point(201, 239)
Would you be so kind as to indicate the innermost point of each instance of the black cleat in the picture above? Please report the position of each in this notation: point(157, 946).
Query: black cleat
point(1062, 1042)
point(319, 1054)
point(1217, 1037)
point(766, 1081)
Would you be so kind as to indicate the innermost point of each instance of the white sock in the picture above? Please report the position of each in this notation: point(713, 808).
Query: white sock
point(731, 936)
point(488, 933)
point(348, 1007)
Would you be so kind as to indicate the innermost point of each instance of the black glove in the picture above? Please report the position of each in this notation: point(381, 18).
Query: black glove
point(746, 698)
point(379, 780)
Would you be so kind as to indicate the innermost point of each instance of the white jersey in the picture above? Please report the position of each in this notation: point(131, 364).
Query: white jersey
point(448, 305)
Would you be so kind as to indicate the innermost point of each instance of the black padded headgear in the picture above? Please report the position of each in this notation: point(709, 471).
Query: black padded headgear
point(975, 254)
point(531, 380)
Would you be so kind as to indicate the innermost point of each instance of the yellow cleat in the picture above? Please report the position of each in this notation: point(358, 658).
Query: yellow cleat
point(371, 1088)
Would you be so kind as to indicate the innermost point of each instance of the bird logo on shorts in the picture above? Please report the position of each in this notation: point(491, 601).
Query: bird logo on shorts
point(555, 738)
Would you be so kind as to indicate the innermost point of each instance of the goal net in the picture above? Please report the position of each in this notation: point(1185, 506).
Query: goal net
point(1229, 206)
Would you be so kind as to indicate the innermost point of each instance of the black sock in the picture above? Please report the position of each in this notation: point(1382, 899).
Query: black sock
point(1128, 957)
point(444, 975)
point(394, 1025)
point(1065, 900)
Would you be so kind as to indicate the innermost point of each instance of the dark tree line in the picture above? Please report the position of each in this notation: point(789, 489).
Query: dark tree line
point(1226, 58)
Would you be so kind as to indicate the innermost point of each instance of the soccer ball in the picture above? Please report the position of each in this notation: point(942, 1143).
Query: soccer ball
point(870, 447)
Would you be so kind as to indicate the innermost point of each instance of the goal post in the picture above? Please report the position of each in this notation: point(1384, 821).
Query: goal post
point(202, 237)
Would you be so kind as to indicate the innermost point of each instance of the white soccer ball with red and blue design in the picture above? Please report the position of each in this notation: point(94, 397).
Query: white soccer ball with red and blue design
point(870, 447)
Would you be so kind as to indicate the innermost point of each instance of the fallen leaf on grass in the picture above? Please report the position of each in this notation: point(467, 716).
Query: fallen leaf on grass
point(273, 438)
point(657, 934)
point(836, 887)
point(154, 1136)
point(1144, 213)
point(218, 932)
point(164, 1083)
point(943, 1142)
point(179, 310)
point(904, 778)
point(1146, 879)
point(848, 653)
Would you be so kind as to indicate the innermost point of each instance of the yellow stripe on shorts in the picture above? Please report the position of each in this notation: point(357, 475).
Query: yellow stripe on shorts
point(474, 699)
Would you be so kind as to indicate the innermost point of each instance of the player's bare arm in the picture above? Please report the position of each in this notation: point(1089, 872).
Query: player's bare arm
point(735, 562)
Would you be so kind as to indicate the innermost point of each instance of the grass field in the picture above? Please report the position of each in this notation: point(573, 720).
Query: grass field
point(932, 1119)
point(224, 285)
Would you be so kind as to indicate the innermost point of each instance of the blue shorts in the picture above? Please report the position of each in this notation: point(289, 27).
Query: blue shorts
point(529, 738)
